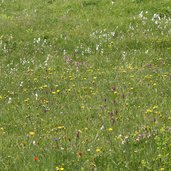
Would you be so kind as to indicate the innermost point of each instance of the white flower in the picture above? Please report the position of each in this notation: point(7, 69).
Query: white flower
point(9, 100)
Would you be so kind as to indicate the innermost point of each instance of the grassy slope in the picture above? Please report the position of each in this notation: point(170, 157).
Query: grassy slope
point(114, 101)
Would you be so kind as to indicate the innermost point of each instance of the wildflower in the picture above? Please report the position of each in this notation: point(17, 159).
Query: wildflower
point(149, 111)
point(115, 92)
point(1, 129)
point(60, 127)
point(59, 168)
point(102, 127)
point(162, 169)
point(56, 139)
point(57, 91)
point(98, 150)
point(155, 107)
point(36, 158)
point(36, 96)
point(110, 129)
point(53, 92)
point(9, 100)
point(31, 133)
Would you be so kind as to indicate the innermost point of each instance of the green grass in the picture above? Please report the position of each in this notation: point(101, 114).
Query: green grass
point(85, 85)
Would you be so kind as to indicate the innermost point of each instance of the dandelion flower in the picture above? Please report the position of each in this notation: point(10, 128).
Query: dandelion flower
point(61, 127)
point(59, 168)
point(149, 111)
point(98, 150)
point(57, 91)
point(110, 129)
point(31, 133)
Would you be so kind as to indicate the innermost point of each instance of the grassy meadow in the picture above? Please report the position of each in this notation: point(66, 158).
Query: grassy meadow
point(85, 85)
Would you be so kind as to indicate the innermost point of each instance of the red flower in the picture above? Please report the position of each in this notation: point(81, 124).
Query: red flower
point(36, 158)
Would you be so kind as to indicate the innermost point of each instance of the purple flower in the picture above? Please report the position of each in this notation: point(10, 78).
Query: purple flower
point(56, 139)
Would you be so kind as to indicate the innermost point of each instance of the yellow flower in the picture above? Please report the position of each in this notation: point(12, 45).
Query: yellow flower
point(149, 111)
point(53, 92)
point(31, 133)
point(110, 129)
point(61, 127)
point(115, 92)
point(57, 91)
point(155, 107)
point(98, 150)
point(162, 169)
point(59, 168)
